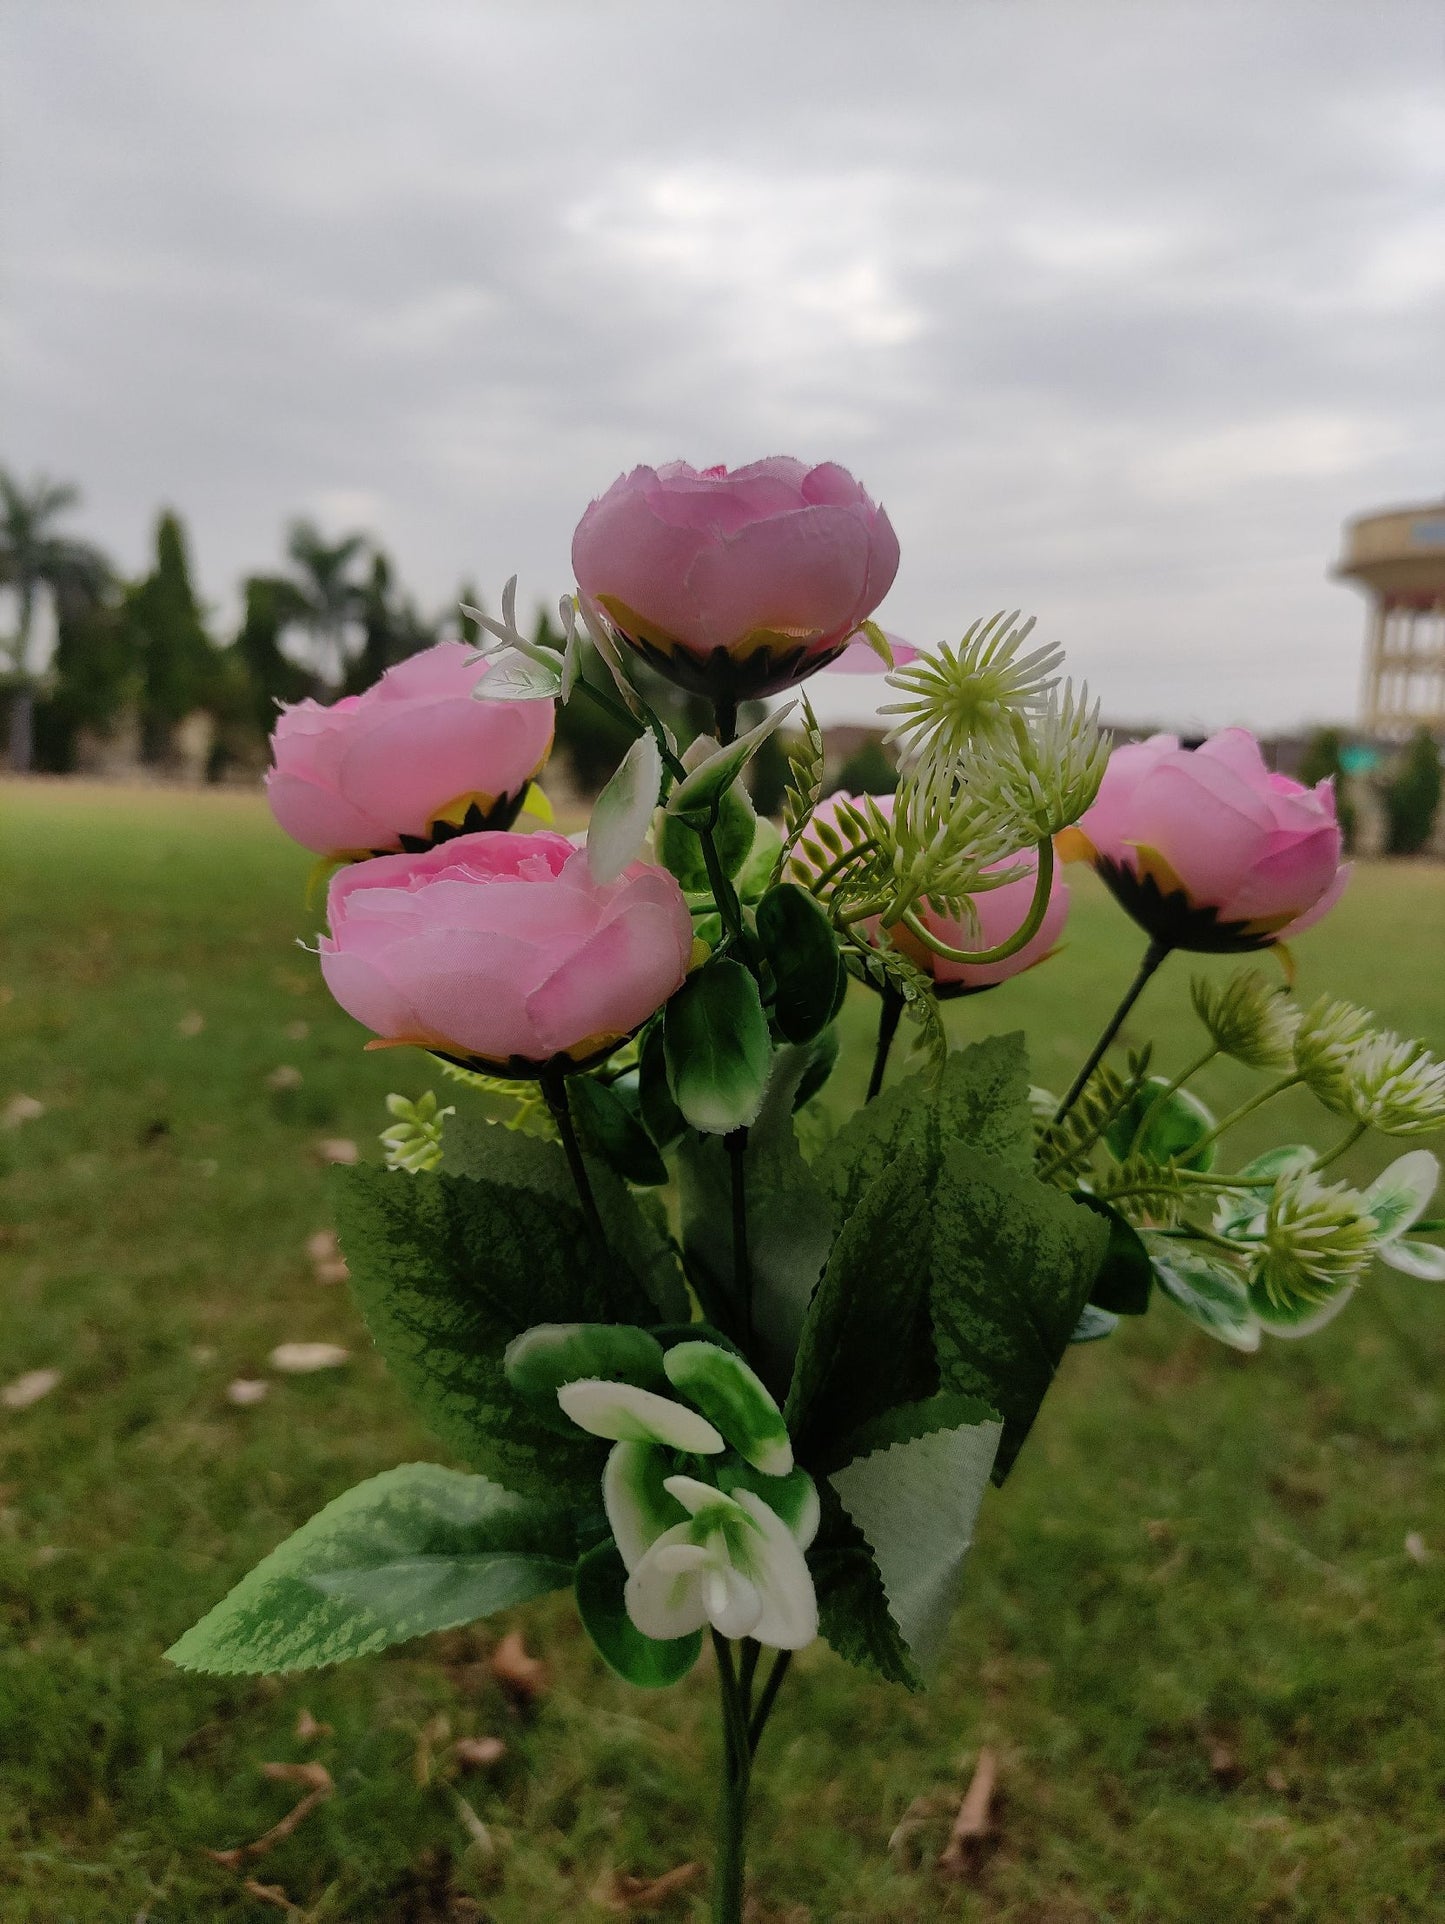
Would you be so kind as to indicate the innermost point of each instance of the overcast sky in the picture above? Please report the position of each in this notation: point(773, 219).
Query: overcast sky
point(1120, 309)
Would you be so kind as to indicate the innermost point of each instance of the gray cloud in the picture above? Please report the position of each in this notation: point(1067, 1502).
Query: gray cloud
point(1121, 309)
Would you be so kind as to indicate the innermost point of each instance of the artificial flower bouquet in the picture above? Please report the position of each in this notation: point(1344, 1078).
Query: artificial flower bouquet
point(634, 1272)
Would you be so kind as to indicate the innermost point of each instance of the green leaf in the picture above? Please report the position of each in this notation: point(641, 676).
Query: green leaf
point(718, 1051)
point(853, 1611)
point(679, 844)
point(914, 1493)
point(644, 1279)
point(983, 1099)
point(665, 1122)
point(755, 876)
point(415, 1549)
point(1013, 1261)
point(623, 812)
point(790, 1220)
point(1126, 1275)
point(650, 1662)
point(1211, 1292)
point(697, 793)
point(1176, 1122)
point(867, 1341)
point(611, 1128)
point(802, 951)
point(447, 1270)
point(735, 1401)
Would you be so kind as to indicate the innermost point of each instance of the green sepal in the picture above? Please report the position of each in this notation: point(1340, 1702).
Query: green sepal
point(611, 1127)
point(1176, 1123)
point(718, 1050)
point(802, 951)
point(416, 1549)
point(679, 844)
point(1126, 1275)
point(793, 1497)
point(600, 1582)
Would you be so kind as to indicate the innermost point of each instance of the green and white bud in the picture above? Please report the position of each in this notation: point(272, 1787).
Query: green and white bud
point(1328, 1032)
point(1248, 1018)
point(970, 691)
point(1317, 1239)
point(414, 1140)
point(1050, 771)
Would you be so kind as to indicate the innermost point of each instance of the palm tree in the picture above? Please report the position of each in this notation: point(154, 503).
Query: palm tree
point(35, 559)
point(331, 597)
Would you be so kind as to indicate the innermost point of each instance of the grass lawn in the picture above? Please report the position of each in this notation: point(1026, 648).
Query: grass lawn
point(1213, 1673)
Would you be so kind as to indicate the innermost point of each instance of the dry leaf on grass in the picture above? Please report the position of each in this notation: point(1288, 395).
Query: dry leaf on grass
point(300, 1359)
point(285, 1076)
point(191, 1023)
point(317, 1776)
point(29, 1388)
point(308, 1730)
point(337, 1149)
point(296, 1031)
point(478, 1753)
point(972, 1823)
point(523, 1677)
point(323, 1246)
point(1415, 1548)
point(247, 1390)
point(434, 1731)
point(631, 1895)
point(20, 1109)
point(920, 1814)
point(336, 1272)
point(474, 1827)
point(1223, 1763)
point(270, 1894)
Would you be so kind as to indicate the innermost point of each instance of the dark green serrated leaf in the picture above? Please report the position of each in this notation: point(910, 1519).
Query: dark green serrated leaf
point(447, 1270)
point(1013, 1262)
point(1126, 1275)
point(652, 1663)
point(643, 1277)
point(983, 1098)
point(416, 1549)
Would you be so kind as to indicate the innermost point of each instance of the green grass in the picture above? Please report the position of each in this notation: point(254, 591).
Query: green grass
point(1198, 1554)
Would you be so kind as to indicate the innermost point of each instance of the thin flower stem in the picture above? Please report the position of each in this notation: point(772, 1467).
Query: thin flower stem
point(727, 1893)
point(1022, 935)
point(1153, 956)
point(1163, 1095)
point(554, 1092)
point(736, 1145)
point(723, 892)
point(888, 1015)
point(1247, 1109)
point(1347, 1141)
point(725, 713)
point(769, 1697)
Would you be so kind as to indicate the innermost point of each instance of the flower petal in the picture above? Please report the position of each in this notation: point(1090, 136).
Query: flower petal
point(627, 1414)
point(1425, 1260)
point(736, 1400)
point(664, 1594)
point(638, 1506)
point(1398, 1196)
point(789, 1618)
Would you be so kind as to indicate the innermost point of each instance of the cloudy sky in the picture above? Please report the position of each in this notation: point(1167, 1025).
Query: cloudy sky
point(1121, 309)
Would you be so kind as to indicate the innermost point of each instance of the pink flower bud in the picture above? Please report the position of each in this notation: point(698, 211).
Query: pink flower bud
point(1000, 911)
point(736, 583)
point(500, 950)
point(385, 768)
point(1208, 850)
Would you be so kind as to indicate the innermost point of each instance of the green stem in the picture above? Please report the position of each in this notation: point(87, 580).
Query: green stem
point(888, 1016)
point(725, 714)
point(1153, 956)
point(1022, 935)
point(1347, 1141)
point(727, 1892)
point(723, 892)
point(769, 1697)
point(1163, 1095)
point(1246, 1109)
point(554, 1093)
point(736, 1145)
point(841, 862)
point(610, 706)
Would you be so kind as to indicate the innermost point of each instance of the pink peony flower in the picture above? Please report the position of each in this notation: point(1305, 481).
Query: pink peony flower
point(1208, 850)
point(736, 583)
point(1000, 911)
point(500, 950)
point(386, 769)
